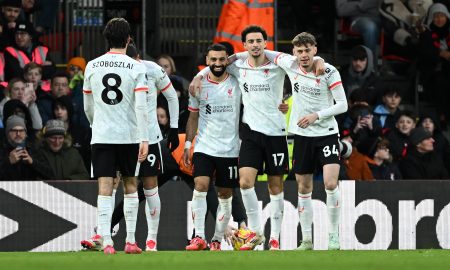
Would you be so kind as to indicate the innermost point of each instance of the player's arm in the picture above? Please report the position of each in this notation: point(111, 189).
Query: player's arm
point(142, 117)
point(285, 61)
point(172, 99)
point(191, 128)
point(341, 104)
point(88, 99)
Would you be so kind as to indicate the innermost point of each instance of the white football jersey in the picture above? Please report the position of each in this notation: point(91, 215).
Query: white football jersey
point(157, 80)
point(310, 94)
point(113, 79)
point(218, 105)
point(262, 93)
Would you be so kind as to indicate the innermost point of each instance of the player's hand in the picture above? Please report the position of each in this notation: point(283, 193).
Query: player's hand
point(186, 157)
point(307, 120)
point(195, 86)
point(283, 107)
point(230, 234)
point(143, 151)
point(319, 67)
point(172, 139)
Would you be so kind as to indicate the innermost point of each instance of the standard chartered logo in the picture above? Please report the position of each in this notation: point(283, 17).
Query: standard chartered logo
point(246, 87)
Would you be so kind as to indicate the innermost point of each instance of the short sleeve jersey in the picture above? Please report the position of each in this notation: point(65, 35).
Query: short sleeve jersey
point(113, 79)
point(310, 94)
point(218, 105)
point(157, 80)
point(262, 93)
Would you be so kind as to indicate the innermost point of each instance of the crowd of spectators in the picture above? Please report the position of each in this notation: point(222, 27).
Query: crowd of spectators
point(44, 133)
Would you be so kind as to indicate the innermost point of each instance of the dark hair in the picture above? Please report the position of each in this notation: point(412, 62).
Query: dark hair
point(228, 46)
point(391, 90)
point(60, 74)
point(304, 38)
point(253, 29)
point(132, 51)
point(64, 102)
point(216, 47)
point(359, 52)
point(117, 31)
point(409, 114)
point(358, 95)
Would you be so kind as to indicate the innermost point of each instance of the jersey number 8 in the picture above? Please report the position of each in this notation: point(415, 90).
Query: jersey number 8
point(111, 94)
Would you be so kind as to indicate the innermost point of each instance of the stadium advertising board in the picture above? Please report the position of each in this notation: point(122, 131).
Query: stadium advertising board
point(55, 216)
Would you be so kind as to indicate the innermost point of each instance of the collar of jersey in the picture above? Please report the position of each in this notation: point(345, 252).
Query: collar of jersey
point(211, 81)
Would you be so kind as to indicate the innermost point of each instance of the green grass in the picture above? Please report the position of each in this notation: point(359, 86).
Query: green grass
point(230, 260)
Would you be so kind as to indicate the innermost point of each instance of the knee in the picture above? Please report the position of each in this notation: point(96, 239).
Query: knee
point(201, 186)
point(330, 185)
point(246, 183)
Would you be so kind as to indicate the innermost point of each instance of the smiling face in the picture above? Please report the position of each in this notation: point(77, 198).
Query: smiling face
point(405, 124)
point(55, 142)
point(217, 62)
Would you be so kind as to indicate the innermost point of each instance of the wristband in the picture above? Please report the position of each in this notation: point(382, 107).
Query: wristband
point(187, 145)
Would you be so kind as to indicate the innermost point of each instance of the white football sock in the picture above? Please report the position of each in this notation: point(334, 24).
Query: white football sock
point(276, 214)
point(252, 209)
point(113, 201)
point(223, 217)
point(305, 215)
point(152, 212)
point(130, 210)
point(198, 207)
point(104, 218)
point(334, 209)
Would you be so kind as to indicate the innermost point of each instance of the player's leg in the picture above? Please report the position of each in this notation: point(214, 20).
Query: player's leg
point(226, 179)
point(277, 164)
point(149, 171)
point(329, 157)
point(303, 167)
point(129, 168)
point(203, 171)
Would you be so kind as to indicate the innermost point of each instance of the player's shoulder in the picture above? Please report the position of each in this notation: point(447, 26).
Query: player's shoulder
point(330, 70)
point(153, 68)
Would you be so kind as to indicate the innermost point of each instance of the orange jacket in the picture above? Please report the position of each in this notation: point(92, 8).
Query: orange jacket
point(238, 14)
point(178, 153)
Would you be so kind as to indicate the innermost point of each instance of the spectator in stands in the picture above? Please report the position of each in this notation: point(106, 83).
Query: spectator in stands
point(32, 73)
point(75, 69)
point(168, 64)
point(56, 148)
point(356, 165)
point(399, 136)
point(380, 162)
point(434, 56)
point(81, 136)
point(18, 90)
point(422, 161)
point(402, 23)
point(388, 112)
point(17, 159)
point(441, 144)
point(364, 128)
point(163, 119)
point(59, 86)
point(10, 15)
point(29, 7)
point(183, 100)
point(360, 74)
point(23, 51)
point(365, 19)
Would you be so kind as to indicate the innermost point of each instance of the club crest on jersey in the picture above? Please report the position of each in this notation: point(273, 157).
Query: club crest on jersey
point(266, 73)
point(317, 81)
point(230, 92)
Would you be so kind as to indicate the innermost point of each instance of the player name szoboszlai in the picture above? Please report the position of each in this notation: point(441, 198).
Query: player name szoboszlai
point(112, 64)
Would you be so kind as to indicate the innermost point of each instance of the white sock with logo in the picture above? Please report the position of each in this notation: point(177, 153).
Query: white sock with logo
point(223, 217)
point(130, 210)
point(276, 215)
point(104, 218)
point(334, 209)
point(198, 207)
point(305, 215)
point(152, 212)
point(252, 209)
point(113, 200)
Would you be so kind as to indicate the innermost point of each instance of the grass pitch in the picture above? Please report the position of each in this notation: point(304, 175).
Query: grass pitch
point(230, 260)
